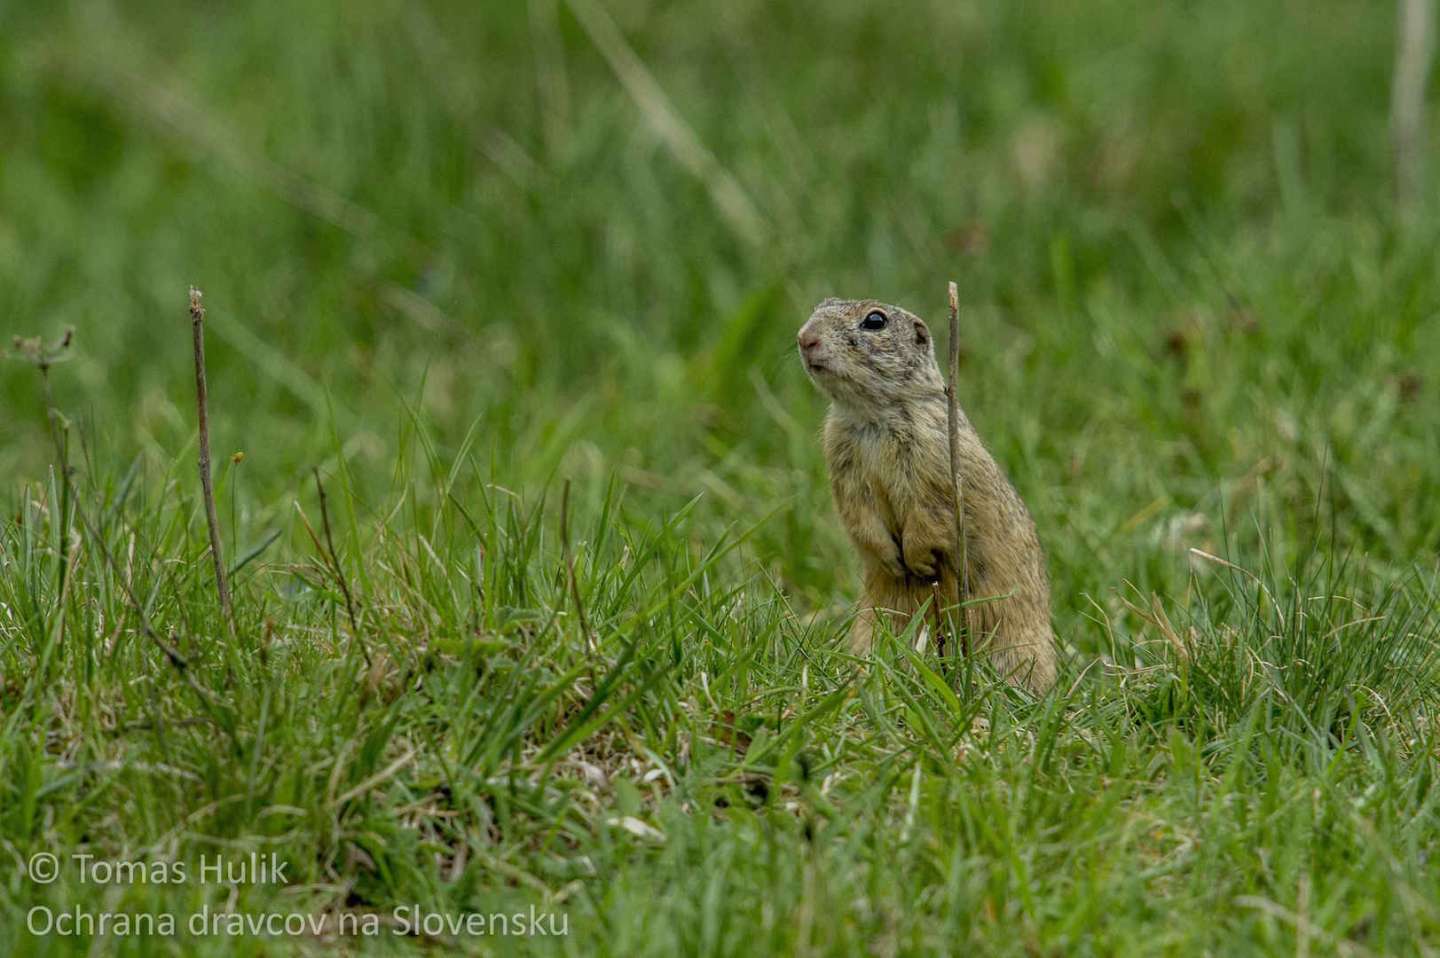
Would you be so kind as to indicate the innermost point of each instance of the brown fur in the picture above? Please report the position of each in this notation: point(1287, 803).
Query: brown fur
point(889, 459)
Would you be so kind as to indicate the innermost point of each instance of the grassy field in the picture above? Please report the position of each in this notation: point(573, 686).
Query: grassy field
point(521, 281)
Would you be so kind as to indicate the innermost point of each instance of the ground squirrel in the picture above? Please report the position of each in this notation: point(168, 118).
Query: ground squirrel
point(889, 458)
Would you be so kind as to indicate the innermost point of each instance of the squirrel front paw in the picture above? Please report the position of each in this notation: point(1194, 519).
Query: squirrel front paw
point(922, 562)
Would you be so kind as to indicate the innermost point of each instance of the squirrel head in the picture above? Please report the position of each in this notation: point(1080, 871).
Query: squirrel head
point(866, 355)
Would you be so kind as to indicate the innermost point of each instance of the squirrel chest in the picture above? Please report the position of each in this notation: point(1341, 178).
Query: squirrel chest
point(878, 459)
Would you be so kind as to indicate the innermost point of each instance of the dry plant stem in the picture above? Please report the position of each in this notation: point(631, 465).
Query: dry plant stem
point(570, 566)
point(202, 412)
point(336, 570)
point(952, 418)
point(938, 624)
point(1415, 48)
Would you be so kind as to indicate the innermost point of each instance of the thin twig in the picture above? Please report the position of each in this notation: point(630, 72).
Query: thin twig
point(338, 572)
point(952, 420)
point(202, 412)
point(938, 624)
point(570, 566)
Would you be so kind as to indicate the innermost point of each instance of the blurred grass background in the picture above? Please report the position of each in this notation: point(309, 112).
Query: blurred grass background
point(574, 240)
point(1172, 228)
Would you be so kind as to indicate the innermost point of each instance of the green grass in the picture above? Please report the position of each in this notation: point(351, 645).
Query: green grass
point(453, 260)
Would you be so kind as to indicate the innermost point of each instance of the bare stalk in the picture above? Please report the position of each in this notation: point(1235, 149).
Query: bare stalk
point(952, 420)
point(337, 571)
point(202, 412)
point(936, 605)
point(1414, 51)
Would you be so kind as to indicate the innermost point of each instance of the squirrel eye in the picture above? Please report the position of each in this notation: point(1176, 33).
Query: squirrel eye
point(874, 320)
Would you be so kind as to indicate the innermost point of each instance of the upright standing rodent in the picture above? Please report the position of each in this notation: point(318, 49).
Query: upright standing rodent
point(889, 458)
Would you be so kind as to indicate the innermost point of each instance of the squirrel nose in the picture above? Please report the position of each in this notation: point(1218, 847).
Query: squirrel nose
point(808, 342)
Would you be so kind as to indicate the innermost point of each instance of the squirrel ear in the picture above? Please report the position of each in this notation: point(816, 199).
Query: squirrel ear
point(922, 332)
